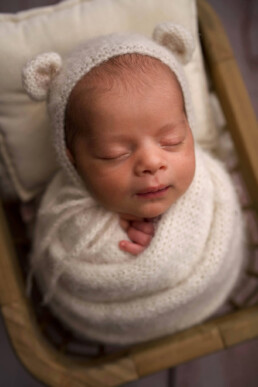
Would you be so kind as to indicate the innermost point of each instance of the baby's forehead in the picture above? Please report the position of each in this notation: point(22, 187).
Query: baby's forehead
point(125, 71)
point(121, 75)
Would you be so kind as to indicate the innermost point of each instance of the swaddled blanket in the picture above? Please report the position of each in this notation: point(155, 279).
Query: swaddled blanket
point(103, 293)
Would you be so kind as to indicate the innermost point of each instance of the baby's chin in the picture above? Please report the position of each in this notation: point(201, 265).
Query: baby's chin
point(149, 212)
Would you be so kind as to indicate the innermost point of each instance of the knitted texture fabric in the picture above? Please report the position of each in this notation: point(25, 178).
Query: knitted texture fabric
point(184, 275)
point(38, 75)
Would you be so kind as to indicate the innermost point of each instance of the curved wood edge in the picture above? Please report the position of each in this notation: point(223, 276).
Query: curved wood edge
point(52, 367)
point(232, 94)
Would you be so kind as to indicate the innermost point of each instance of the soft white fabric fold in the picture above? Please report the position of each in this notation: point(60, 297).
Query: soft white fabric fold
point(185, 274)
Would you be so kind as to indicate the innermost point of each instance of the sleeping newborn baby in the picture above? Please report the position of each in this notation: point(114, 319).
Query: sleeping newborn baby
point(139, 234)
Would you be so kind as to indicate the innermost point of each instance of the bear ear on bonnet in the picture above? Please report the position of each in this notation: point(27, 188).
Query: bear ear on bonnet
point(176, 38)
point(38, 74)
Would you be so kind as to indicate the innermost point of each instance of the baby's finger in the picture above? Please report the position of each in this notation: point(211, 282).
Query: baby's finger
point(146, 227)
point(139, 237)
point(131, 247)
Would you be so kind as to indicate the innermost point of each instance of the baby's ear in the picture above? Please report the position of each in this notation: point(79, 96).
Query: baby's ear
point(38, 74)
point(176, 38)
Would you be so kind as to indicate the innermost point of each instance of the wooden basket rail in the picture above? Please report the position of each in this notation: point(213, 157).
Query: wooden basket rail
point(56, 369)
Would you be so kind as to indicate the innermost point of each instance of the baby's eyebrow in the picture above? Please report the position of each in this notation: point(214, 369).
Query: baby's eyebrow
point(97, 139)
point(123, 138)
point(171, 126)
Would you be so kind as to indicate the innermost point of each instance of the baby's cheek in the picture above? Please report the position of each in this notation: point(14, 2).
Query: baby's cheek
point(107, 191)
point(188, 172)
point(182, 171)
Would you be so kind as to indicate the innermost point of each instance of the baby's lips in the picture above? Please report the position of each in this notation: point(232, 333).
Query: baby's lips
point(152, 189)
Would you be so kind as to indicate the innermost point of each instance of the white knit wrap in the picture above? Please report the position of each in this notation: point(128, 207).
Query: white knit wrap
point(103, 293)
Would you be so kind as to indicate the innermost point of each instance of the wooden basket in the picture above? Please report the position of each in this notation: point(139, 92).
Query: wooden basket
point(52, 365)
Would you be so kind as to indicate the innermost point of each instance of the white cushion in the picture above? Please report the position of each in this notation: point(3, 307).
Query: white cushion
point(25, 141)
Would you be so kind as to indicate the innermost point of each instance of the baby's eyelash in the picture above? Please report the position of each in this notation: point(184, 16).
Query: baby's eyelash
point(171, 144)
point(113, 158)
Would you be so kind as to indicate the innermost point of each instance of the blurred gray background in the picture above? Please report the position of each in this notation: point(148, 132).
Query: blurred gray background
point(236, 367)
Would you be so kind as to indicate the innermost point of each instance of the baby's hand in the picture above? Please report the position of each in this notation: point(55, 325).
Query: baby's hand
point(140, 233)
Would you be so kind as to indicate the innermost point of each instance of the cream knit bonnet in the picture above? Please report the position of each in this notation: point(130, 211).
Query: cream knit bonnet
point(52, 78)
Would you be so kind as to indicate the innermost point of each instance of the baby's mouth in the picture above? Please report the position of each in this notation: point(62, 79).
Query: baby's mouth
point(153, 192)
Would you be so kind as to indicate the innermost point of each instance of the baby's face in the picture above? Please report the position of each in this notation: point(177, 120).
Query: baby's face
point(137, 158)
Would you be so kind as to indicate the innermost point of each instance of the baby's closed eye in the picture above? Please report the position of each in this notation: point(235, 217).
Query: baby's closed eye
point(113, 156)
point(111, 152)
point(171, 141)
point(173, 136)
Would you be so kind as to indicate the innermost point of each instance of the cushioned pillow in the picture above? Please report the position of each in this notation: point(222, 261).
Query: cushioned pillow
point(25, 140)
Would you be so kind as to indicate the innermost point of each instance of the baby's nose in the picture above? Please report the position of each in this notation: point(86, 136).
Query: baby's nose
point(149, 162)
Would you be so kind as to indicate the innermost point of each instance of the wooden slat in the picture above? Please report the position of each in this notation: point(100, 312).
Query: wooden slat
point(235, 102)
point(11, 282)
point(177, 349)
point(218, 334)
point(239, 327)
